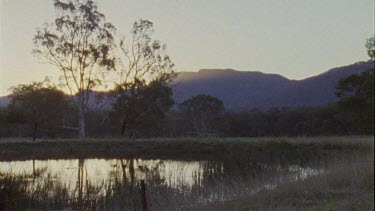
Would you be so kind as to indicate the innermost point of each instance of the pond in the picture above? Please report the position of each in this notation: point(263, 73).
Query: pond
point(115, 183)
point(98, 171)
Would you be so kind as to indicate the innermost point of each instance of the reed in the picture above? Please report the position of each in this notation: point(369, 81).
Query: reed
point(337, 182)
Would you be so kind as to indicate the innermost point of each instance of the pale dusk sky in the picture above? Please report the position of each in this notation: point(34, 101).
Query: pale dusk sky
point(293, 38)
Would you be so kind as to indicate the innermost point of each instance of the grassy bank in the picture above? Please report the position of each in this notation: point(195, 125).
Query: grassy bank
point(183, 148)
point(341, 187)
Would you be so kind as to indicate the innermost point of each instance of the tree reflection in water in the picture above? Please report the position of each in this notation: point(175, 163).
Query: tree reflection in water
point(114, 184)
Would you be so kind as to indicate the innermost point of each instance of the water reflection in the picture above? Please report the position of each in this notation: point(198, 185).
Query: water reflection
point(114, 184)
point(97, 171)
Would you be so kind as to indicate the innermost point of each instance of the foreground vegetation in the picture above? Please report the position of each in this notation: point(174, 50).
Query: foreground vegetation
point(238, 174)
point(348, 187)
point(334, 190)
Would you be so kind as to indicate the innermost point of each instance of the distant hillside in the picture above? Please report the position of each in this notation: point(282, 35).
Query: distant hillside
point(246, 89)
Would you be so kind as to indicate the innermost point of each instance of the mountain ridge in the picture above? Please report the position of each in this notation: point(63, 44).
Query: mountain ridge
point(255, 89)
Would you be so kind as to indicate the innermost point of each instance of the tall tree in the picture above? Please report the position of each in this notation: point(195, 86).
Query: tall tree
point(79, 43)
point(201, 110)
point(356, 93)
point(37, 103)
point(143, 66)
point(148, 105)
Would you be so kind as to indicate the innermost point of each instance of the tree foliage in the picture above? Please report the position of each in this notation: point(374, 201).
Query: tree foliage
point(79, 43)
point(37, 103)
point(145, 105)
point(142, 58)
point(201, 111)
point(370, 45)
point(144, 73)
point(356, 93)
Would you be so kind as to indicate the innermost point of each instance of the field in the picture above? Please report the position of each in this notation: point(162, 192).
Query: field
point(325, 173)
point(181, 148)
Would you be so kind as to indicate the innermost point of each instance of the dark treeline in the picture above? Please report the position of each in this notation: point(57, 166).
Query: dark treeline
point(40, 110)
point(301, 121)
point(325, 120)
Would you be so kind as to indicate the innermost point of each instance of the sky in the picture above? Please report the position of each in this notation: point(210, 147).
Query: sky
point(294, 38)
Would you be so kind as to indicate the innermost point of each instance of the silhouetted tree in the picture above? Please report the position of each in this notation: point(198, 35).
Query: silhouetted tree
point(79, 43)
point(144, 68)
point(356, 93)
point(201, 111)
point(146, 105)
point(370, 45)
point(37, 103)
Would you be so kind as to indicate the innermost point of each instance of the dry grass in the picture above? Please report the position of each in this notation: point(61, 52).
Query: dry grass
point(341, 187)
point(181, 148)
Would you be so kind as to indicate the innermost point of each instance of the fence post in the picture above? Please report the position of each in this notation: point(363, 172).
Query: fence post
point(143, 195)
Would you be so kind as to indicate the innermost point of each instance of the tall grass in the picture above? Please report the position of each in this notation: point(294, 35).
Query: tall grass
point(240, 174)
point(340, 185)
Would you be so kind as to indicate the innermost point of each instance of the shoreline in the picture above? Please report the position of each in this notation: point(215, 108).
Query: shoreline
point(181, 148)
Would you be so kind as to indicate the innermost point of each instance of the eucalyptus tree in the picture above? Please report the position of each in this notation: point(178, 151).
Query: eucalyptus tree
point(79, 43)
point(143, 65)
